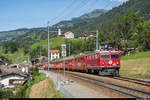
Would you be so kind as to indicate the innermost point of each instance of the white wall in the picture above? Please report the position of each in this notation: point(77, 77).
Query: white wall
point(70, 35)
point(54, 55)
point(5, 80)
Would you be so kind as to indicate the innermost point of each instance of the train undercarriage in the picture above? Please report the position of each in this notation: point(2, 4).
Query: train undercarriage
point(113, 71)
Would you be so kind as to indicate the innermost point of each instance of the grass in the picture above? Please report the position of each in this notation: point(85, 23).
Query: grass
point(45, 89)
point(136, 68)
point(52, 92)
point(35, 80)
point(136, 65)
point(6, 93)
point(137, 56)
point(17, 57)
point(54, 42)
point(38, 78)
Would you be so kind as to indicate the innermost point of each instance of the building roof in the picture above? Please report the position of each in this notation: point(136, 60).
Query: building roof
point(6, 70)
point(54, 51)
point(61, 35)
point(13, 73)
point(68, 32)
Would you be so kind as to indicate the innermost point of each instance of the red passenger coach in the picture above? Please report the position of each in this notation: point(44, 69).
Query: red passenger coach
point(103, 63)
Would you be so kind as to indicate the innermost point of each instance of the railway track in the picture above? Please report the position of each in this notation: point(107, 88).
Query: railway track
point(137, 81)
point(131, 92)
point(113, 87)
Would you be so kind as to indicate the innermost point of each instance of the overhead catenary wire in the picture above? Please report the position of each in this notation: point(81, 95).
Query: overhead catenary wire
point(75, 7)
point(108, 4)
point(79, 8)
point(64, 10)
point(68, 9)
point(92, 5)
point(111, 1)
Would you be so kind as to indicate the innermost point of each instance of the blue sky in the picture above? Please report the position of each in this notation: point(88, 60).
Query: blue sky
point(16, 14)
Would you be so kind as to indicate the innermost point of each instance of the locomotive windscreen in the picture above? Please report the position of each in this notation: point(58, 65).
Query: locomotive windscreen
point(105, 56)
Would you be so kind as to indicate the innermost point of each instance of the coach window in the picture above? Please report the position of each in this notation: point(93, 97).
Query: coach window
point(113, 56)
point(89, 57)
point(105, 56)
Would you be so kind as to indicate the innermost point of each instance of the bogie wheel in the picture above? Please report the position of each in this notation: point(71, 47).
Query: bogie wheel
point(86, 70)
point(116, 73)
point(89, 70)
point(99, 72)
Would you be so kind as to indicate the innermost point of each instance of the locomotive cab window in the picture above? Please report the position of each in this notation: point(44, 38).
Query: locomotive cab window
point(105, 56)
point(113, 56)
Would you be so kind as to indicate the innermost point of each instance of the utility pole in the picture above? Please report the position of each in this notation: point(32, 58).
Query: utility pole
point(29, 56)
point(64, 67)
point(69, 49)
point(28, 60)
point(96, 39)
point(48, 46)
point(40, 48)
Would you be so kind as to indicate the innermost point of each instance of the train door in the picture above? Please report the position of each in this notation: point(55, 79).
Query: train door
point(73, 64)
point(85, 62)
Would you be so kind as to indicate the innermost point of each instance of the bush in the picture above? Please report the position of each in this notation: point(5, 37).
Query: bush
point(6, 93)
point(21, 93)
point(35, 71)
point(24, 91)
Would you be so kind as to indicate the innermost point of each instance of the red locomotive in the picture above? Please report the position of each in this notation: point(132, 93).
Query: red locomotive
point(102, 63)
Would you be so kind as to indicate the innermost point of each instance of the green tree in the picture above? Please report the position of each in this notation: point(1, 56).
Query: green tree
point(143, 35)
point(13, 46)
point(5, 47)
point(26, 49)
point(124, 29)
point(126, 26)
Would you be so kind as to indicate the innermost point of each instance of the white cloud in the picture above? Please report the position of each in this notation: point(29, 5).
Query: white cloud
point(120, 0)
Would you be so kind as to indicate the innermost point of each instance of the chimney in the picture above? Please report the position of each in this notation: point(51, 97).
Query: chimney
point(59, 31)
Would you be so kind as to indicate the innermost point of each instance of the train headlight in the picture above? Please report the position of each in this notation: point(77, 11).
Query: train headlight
point(110, 62)
point(103, 63)
point(117, 63)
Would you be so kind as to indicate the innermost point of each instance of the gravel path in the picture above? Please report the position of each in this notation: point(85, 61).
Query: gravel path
point(73, 89)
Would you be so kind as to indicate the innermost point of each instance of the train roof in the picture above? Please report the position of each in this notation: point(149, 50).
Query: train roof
point(96, 52)
point(109, 51)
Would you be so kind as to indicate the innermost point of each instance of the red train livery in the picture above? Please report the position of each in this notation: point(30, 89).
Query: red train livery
point(102, 63)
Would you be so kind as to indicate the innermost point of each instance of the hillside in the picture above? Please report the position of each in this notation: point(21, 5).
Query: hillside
point(33, 36)
point(76, 46)
point(9, 35)
point(84, 18)
point(35, 49)
point(141, 7)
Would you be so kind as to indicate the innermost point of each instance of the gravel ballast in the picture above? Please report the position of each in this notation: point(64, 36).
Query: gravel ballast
point(71, 88)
